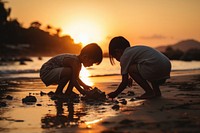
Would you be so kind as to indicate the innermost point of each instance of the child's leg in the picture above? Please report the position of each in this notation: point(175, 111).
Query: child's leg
point(156, 89)
point(134, 73)
point(64, 78)
point(69, 89)
point(155, 84)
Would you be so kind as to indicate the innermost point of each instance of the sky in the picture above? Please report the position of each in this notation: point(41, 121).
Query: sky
point(147, 22)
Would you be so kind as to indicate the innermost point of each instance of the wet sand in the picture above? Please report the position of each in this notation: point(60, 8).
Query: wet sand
point(176, 111)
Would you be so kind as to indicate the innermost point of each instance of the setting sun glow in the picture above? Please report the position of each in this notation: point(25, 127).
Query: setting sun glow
point(84, 76)
point(153, 22)
point(84, 32)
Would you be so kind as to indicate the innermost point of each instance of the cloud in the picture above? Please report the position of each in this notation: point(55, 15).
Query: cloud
point(155, 36)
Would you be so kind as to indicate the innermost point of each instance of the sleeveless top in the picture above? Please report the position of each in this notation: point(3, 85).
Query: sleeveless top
point(57, 62)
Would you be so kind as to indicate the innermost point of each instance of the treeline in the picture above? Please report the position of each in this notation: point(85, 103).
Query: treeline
point(15, 40)
point(176, 54)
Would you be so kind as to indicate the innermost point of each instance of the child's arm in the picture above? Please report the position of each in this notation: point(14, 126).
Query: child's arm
point(121, 87)
point(86, 87)
point(130, 82)
point(76, 84)
point(75, 73)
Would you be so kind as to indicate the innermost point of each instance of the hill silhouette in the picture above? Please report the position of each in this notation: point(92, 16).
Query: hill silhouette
point(183, 46)
point(184, 50)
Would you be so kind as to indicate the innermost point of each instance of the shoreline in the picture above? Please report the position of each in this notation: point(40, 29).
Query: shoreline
point(35, 75)
point(176, 111)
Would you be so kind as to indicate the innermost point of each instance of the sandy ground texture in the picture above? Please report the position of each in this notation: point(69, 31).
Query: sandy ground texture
point(176, 111)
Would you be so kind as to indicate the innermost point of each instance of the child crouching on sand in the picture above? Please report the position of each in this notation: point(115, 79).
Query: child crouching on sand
point(142, 63)
point(65, 68)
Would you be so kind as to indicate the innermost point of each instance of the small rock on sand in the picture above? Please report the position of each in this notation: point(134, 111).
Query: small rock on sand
point(29, 99)
point(130, 93)
point(39, 104)
point(3, 104)
point(115, 107)
point(9, 97)
point(42, 93)
point(123, 101)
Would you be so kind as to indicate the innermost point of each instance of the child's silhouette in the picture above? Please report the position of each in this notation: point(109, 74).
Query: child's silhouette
point(65, 68)
point(142, 63)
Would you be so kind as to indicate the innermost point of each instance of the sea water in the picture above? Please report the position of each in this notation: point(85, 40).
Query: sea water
point(31, 68)
point(49, 116)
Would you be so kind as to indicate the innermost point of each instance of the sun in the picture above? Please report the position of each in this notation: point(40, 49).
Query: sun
point(84, 32)
point(81, 38)
point(85, 76)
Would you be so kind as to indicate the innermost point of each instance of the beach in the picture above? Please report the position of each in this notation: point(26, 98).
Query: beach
point(176, 111)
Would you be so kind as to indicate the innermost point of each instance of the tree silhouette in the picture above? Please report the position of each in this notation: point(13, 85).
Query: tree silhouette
point(48, 28)
point(16, 40)
point(58, 31)
point(3, 13)
point(35, 25)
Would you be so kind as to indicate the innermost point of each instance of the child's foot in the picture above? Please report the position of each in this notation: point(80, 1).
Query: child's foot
point(146, 96)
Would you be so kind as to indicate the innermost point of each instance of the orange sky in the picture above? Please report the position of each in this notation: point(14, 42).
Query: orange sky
point(149, 22)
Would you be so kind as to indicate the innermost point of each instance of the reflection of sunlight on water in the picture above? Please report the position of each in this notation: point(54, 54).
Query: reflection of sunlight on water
point(89, 123)
point(84, 76)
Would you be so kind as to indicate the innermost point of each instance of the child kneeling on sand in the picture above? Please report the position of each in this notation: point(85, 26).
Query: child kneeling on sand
point(142, 63)
point(65, 68)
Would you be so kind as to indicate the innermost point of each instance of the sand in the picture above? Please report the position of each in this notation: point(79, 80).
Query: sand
point(176, 111)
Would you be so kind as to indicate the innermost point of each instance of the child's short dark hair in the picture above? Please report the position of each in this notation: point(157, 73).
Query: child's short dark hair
point(118, 42)
point(94, 52)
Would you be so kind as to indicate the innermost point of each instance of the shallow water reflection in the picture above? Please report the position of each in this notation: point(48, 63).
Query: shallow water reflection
point(51, 114)
point(69, 114)
point(61, 118)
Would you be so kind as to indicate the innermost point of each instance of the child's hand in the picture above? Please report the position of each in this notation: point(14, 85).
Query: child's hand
point(87, 93)
point(112, 95)
point(87, 88)
point(130, 82)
